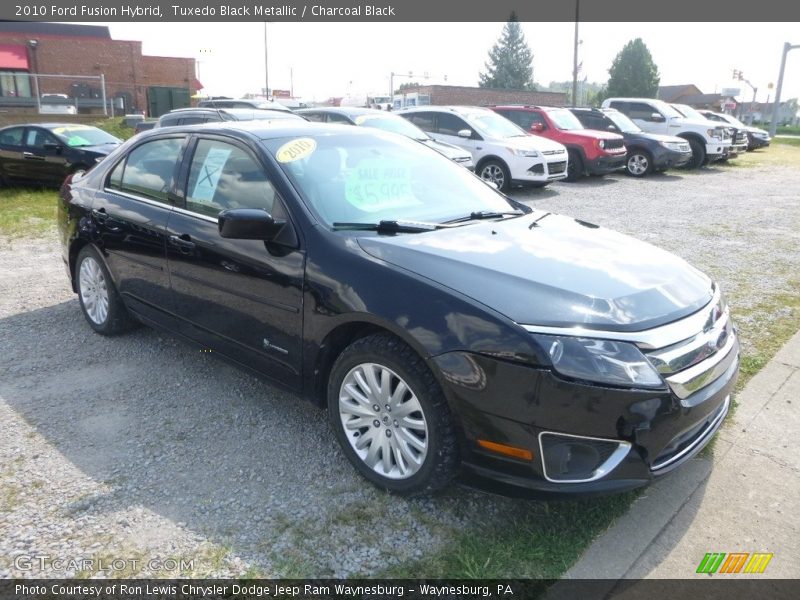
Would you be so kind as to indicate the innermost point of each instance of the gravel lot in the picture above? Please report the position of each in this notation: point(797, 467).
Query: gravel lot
point(142, 447)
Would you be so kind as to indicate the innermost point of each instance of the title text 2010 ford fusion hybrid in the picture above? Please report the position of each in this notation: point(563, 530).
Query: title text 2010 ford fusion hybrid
point(448, 330)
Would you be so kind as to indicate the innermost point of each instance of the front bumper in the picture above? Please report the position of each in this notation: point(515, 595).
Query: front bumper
point(648, 433)
point(603, 165)
point(552, 168)
point(717, 150)
point(666, 159)
point(757, 142)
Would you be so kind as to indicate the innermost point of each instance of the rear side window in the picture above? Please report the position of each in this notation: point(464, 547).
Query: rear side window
point(334, 118)
point(149, 169)
point(11, 137)
point(523, 118)
point(640, 110)
point(451, 124)
point(224, 176)
point(316, 117)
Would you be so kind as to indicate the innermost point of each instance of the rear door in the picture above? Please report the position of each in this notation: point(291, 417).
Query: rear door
point(129, 217)
point(12, 161)
point(242, 298)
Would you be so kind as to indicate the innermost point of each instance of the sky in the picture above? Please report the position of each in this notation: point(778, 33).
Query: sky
point(320, 60)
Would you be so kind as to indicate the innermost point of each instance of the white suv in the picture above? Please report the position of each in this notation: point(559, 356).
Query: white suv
point(709, 141)
point(502, 152)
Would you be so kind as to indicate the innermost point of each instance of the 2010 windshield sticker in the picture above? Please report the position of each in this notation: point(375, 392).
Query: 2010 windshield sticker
point(374, 186)
point(295, 150)
point(208, 178)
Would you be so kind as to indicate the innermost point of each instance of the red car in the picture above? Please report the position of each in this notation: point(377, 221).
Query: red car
point(590, 152)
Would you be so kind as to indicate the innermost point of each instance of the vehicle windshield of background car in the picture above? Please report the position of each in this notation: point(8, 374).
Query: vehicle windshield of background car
point(564, 119)
point(77, 136)
point(666, 110)
point(623, 123)
point(734, 121)
point(689, 112)
point(379, 176)
point(392, 123)
point(494, 126)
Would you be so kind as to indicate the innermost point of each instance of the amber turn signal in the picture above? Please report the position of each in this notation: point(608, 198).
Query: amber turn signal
point(512, 451)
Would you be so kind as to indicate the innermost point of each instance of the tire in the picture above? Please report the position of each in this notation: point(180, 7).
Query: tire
point(363, 388)
point(698, 155)
point(99, 300)
point(574, 166)
point(496, 172)
point(639, 163)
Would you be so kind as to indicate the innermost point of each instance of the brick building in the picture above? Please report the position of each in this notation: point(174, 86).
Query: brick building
point(441, 95)
point(133, 81)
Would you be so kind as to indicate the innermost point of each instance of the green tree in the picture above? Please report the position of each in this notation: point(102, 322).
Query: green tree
point(405, 86)
point(510, 64)
point(633, 72)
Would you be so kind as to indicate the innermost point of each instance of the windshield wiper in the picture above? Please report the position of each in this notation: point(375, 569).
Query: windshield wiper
point(391, 226)
point(486, 214)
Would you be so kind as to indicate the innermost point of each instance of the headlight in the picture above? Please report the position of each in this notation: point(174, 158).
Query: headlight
point(601, 144)
point(676, 146)
point(522, 152)
point(715, 133)
point(602, 361)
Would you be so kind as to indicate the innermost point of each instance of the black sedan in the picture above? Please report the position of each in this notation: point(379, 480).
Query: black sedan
point(647, 152)
point(45, 153)
point(447, 329)
point(381, 119)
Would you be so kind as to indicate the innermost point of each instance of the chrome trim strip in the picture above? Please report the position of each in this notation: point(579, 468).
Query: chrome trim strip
point(164, 205)
point(611, 463)
point(699, 439)
point(655, 338)
point(687, 382)
point(682, 356)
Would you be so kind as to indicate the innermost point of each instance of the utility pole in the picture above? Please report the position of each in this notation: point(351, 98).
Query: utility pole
point(773, 127)
point(266, 64)
point(575, 56)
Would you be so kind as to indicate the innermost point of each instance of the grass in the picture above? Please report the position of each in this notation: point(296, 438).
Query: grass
point(788, 130)
point(27, 212)
point(116, 127)
point(786, 142)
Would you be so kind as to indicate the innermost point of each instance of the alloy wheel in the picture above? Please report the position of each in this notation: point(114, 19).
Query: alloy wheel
point(638, 164)
point(94, 290)
point(383, 421)
point(494, 173)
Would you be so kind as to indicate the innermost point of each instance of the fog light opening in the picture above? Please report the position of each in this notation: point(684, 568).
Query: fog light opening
point(578, 459)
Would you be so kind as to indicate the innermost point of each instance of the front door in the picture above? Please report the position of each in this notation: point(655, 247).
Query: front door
point(242, 298)
point(44, 157)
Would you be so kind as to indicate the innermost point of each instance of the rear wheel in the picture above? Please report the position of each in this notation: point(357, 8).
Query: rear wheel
point(639, 163)
point(100, 302)
point(575, 166)
point(497, 173)
point(391, 418)
point(698, 155)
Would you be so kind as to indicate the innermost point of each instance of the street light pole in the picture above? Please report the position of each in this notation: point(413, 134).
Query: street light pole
point(773, 127)
point(266, 64)
point(575, 56)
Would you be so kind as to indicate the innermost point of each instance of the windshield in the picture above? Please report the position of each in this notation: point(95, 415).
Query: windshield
point(493, 125)
point(665, 109)
point(733, 120)
point(623, 123)
point(368, 178)
point(76, 136)
point(392, 123)
point(689, 112)
point(564, 119)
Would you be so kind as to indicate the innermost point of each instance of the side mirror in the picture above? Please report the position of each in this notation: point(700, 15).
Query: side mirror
point(465, 133)
point(657, 118)
point(249, 224)
point(537, 127)
point(51, 147)
point(612, 128)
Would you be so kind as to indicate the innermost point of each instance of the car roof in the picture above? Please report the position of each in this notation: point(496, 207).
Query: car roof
point(263, 129)
point(227, 111)
point(48, 125)
point(345, 110)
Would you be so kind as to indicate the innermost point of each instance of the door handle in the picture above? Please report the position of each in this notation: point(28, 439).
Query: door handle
point(100, 215)
point(184, 242)
point(31, 156)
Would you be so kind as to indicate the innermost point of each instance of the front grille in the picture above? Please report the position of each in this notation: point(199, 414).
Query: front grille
point(557, 167)
point(694, 363)
point(741, 137)
point(614, 144)
point(552, 152)
point(684, 148)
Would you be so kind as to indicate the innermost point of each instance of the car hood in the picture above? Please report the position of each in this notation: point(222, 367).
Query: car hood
point(756, 130)
point(592, 134)
point(448, 150)
point(552, 270)
point(656, 137)
point(533, 142)
point(699, 123)
point(100, 149)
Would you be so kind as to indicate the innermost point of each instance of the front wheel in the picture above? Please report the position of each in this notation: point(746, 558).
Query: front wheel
point(639, 163)
point(391, 418)
point(574, 166)
point(100, 302)
point(497, 173)
point(698, 155)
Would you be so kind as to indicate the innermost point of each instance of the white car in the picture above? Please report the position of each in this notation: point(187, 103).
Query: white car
point(56, 104)
point(709, 141)
point(503, 153)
